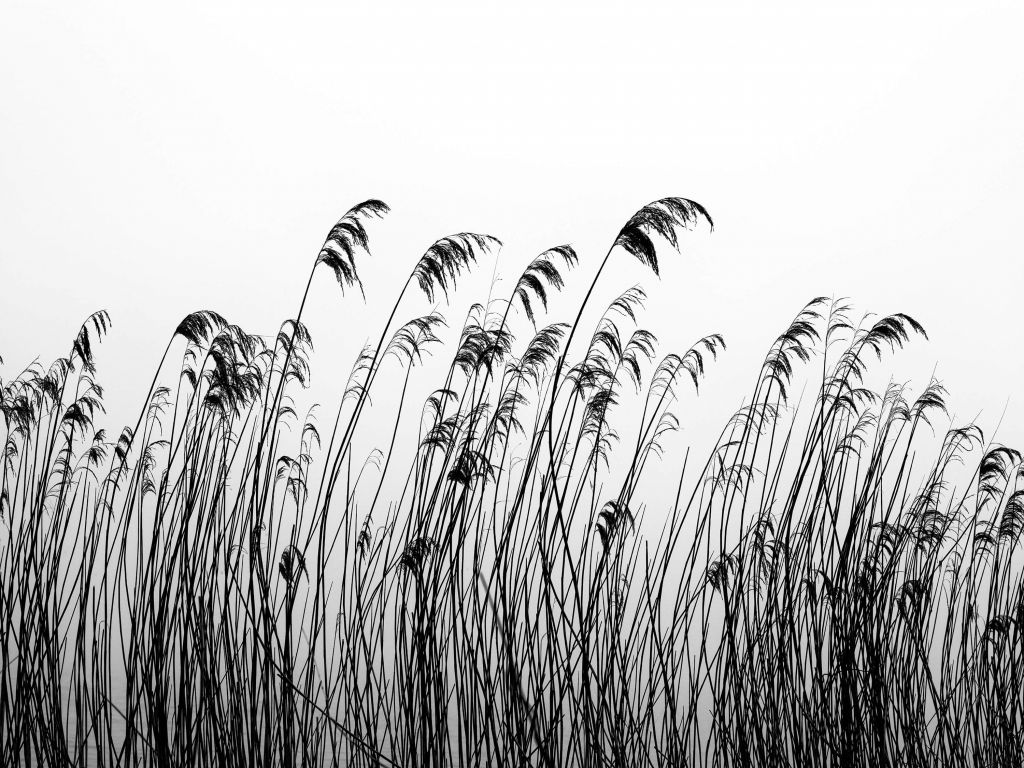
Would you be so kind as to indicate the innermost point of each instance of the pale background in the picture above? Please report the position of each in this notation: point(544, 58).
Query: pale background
point(156, 160)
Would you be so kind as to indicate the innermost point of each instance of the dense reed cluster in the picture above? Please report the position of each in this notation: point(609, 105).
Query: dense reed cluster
point(224, 583)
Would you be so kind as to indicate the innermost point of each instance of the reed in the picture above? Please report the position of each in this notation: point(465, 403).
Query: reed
point(836, 581)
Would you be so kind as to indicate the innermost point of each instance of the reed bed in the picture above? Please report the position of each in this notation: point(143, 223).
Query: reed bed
point(223, 582)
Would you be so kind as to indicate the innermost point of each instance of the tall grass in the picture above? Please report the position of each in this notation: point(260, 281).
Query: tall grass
point(225, 583)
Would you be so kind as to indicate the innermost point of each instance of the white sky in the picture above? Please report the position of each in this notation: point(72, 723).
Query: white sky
point(153, 162)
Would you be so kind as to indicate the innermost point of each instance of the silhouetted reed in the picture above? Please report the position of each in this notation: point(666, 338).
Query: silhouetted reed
point(224, 583)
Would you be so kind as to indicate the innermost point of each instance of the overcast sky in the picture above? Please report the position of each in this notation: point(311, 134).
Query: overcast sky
point(155, 161)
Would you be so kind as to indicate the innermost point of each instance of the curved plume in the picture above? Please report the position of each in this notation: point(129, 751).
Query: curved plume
point(345, 238)
point(200, 326)
point(446, 259)
point(541, 274)
point(100, 322)
point(663, 217)
point(411, 340)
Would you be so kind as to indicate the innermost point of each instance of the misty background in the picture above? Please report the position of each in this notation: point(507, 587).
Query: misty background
point(155, 161)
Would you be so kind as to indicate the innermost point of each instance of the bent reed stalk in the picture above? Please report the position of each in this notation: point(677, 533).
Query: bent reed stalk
point(223, 585)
